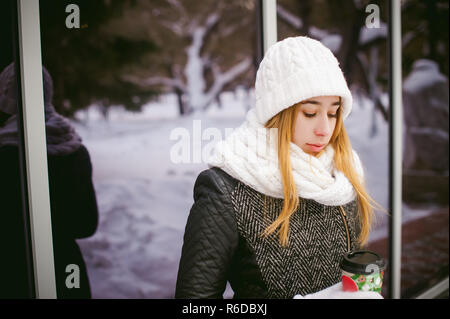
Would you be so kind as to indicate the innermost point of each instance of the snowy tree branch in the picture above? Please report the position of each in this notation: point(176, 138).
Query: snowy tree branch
point(221, 79)
point(195, 65)
point(175, 27)
point(297, 24)
point(370, 80)
point(289, 18)
point(177, 4)
point(179, 25)
point(157, 80)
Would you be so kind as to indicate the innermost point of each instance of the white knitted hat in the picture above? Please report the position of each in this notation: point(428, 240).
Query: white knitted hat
point(296, 69)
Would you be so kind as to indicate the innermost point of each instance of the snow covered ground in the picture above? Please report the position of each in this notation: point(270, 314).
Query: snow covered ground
point(144, 198)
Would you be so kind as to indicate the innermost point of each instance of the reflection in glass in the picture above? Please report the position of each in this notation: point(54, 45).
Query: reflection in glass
point(425, 229)
point(72, 197)
point(360, 45)
point(14, 238)
point(137, 79)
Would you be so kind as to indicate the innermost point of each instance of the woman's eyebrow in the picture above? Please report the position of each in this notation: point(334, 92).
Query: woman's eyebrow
point(318, 103)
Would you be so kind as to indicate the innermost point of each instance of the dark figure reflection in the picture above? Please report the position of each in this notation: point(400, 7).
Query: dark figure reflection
point(74, 211)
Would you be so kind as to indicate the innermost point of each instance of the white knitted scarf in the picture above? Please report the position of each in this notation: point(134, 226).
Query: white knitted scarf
point(249, 154)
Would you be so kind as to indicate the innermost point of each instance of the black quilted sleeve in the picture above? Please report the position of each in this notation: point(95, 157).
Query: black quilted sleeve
point(210, 239)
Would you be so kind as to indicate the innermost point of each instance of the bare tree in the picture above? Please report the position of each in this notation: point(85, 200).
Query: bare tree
point(196, 53)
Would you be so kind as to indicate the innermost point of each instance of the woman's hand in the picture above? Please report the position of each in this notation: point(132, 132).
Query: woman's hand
point(336, 292)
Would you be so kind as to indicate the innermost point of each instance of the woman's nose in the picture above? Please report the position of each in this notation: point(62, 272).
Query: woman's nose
point(323, 127)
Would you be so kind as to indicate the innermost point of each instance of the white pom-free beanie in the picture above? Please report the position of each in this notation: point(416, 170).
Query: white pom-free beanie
point(296, 69)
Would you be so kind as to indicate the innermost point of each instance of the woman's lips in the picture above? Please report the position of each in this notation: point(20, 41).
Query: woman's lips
point(315, 147)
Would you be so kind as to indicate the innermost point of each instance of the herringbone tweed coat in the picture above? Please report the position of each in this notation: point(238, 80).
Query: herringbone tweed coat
point(223, 242)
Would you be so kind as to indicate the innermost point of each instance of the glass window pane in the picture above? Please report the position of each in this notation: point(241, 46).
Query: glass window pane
point(425, 158)
point(358, 37)
point(134, 81)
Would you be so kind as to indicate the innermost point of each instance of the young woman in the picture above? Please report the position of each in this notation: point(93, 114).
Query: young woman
point(284, 197)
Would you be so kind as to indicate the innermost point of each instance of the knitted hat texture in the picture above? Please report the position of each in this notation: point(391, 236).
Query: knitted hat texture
point(296, 69)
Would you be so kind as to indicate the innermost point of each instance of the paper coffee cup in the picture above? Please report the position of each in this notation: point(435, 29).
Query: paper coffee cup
point(362, 270)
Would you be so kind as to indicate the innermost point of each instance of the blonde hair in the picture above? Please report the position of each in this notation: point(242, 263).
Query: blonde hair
point(343, 161)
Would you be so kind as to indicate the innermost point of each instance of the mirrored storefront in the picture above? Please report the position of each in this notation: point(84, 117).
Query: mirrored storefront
point(358, 37)
point(145, 88)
